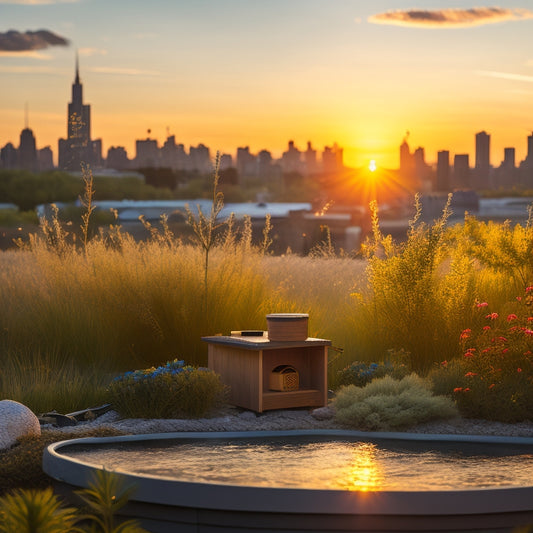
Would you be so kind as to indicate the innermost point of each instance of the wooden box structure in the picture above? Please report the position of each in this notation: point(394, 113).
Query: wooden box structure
point(245, 364)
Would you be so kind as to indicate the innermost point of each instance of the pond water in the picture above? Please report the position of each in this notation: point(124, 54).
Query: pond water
point(316, 463)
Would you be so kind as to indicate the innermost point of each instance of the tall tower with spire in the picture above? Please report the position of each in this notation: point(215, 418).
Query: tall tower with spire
point(77, 148)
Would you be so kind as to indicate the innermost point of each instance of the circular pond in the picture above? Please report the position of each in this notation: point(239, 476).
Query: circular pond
point(312, 480)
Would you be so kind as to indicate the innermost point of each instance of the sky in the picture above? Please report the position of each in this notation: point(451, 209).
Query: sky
point(258, 73)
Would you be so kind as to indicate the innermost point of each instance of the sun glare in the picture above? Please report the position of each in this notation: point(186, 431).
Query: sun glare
point(372, 165)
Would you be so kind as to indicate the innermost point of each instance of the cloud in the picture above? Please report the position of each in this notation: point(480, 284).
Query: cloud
point(14, 69)
point(124, 71)
point(15, 41)
point(37, 2)
point(92, 52)
point(28, 53)
point(505, 76)
point(450, 18)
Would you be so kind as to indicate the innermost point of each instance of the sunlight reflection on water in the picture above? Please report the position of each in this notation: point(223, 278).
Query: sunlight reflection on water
point(332, 464)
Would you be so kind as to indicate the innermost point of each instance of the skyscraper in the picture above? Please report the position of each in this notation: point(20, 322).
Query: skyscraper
point(77, 148)
point(482, 168)
point(443, 171)
point(27, 152)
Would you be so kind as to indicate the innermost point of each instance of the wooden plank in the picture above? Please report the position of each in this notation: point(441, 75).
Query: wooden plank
point(241, 370)
point(299, 398)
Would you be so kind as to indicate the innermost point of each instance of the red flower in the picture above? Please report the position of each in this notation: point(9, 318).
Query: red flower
point(505, 350)
point(470, 374)
point(530, 318)
point(482, 304)
point(519, 298)
point(492, 316)
point(519, 369)
point(491, 386)
point(458, 389)
point(510, 317)
point(486, 328)
point(529, 289)
point(466, 390)
point(444, 364)
point(465, 334)
point(528, 331)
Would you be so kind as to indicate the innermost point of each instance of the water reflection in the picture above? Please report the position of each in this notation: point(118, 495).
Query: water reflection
point(364, 473)
point(322, 464)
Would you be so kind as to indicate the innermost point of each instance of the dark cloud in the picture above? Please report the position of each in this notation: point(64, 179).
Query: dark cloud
point(450, 18)
point(15, 41)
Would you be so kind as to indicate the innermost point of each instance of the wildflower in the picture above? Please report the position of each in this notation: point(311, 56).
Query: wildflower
point(529, 289)
point(465, 334)
point(528, 331)
point(492, 316)
point(519, 369)
point(444, 363)
point(518, 298)
point(511, 317)
point(502, 339)
point(530, 318)
point(469, 352)
point(491, 386)
point(486, 328)
point(458, 389)
point(505, 350)
point(482, 304)
point(467, 389)
point(470, 374)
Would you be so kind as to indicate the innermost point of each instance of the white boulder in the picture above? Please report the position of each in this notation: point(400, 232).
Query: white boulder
point(16, 421)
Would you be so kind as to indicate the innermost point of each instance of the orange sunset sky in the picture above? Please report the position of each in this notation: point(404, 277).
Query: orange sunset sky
point(231, 73)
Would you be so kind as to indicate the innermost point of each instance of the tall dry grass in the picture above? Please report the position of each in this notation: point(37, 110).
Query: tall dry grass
point(115, 304)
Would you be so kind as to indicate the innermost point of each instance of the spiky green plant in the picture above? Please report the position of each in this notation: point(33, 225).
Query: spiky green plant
point(37, 511)
point(105, 496)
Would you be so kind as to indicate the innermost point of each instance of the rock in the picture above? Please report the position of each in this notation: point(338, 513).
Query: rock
point(247, 415)
point(323, 413)
point(16, 421)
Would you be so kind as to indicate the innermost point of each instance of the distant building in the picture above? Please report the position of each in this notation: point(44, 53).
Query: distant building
point(509, 158)
point(332, 158)
point(8, 156)
point(443, 171)
point(147, 153)
point(78, 148)
point(226, 161)
point(461, 172)
point(407, 163)
point(117, 158)
point(27, 151)
point(45, 158)
point(246, 162)
point(264, 164)
point(291, 159)
point(310, 161)
point(482, 167)
point(200, 159)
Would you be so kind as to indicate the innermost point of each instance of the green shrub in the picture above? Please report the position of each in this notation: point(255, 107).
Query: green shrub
point(360, 373)
point(32, 511)
point(170, 391)
point(388, 404)
point(41, 511)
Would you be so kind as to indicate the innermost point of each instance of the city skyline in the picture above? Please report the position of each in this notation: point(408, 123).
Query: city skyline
point(234, 73)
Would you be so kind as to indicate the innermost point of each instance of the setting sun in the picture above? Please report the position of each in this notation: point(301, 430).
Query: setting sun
point(372, 165)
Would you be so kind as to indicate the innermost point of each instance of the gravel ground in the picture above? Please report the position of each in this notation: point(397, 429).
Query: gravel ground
point(235, 419)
